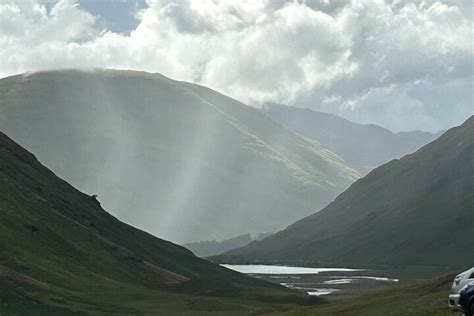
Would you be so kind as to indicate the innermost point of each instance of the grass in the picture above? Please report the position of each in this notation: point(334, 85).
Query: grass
point(421, 298)
point(61, 254)
point(416, 299)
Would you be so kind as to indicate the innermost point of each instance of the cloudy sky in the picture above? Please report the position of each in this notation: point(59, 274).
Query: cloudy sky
point(400, 64)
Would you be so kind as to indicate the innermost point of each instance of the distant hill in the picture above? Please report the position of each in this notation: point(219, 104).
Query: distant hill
point(362, 146)
point(176, 159)
point(418, 210)
point(60, 253)
point(208, 248)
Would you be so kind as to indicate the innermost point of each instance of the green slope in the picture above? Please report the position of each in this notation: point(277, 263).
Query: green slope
point(418, 210)
point(191, 163)
point(61, 252)
point(362, 146)
point(425, 298)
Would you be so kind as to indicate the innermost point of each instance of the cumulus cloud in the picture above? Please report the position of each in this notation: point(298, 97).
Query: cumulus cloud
point(363, 59)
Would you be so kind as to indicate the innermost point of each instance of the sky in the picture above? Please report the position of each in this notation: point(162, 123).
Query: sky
point(400, 64)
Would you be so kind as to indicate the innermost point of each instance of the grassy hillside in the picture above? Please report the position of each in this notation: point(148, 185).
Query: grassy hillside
point(362, 146)
point(415, 211)
point(426, 298)
point(60, 252)
point(176, 159)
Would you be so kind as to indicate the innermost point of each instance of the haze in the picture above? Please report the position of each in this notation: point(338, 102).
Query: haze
point(236, 157)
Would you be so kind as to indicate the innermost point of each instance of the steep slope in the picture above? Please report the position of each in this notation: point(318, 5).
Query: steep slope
point(191, 163)
point(362, 146)
point(418, 210)
point(60, 251)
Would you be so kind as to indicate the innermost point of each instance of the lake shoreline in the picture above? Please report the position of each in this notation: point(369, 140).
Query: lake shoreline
point(406, 274)
point(325, 281)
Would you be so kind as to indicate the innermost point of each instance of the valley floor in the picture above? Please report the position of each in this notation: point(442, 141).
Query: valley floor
point(420, 299)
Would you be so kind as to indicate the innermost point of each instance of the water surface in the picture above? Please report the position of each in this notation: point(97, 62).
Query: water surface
point(281, 270)
point(315, 281)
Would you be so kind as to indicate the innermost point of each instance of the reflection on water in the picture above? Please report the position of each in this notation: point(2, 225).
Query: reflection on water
point(319, 292)
point(314, 281)
point(309, 290)
point(269, 269)
point(354, 279)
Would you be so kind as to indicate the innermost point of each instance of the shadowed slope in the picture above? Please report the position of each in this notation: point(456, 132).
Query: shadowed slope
point(191, 163)
point(418, 210)
point(60, 251)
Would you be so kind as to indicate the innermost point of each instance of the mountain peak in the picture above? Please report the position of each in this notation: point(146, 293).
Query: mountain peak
point(170, 157)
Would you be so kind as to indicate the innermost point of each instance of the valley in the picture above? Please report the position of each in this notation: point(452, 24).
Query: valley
point(236, 158)
point(428, 193)
point(62, 253)
point(423, 298)
point(332, 283)
point(178, 160)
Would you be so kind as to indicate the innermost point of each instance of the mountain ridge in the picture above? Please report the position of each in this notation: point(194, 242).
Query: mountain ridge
point(428, 193)
point(62, 253)
point(178, 154)
point(363, 146)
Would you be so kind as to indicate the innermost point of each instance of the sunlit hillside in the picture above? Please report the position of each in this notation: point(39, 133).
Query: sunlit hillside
point(176, 159)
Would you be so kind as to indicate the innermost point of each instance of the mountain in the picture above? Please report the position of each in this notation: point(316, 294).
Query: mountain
point(417, 210)
point(60, 253)
point(176, 159)
point(362, 146)
point(208, 248)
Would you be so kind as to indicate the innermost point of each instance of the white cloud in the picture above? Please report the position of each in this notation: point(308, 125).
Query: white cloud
point(356, 58)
